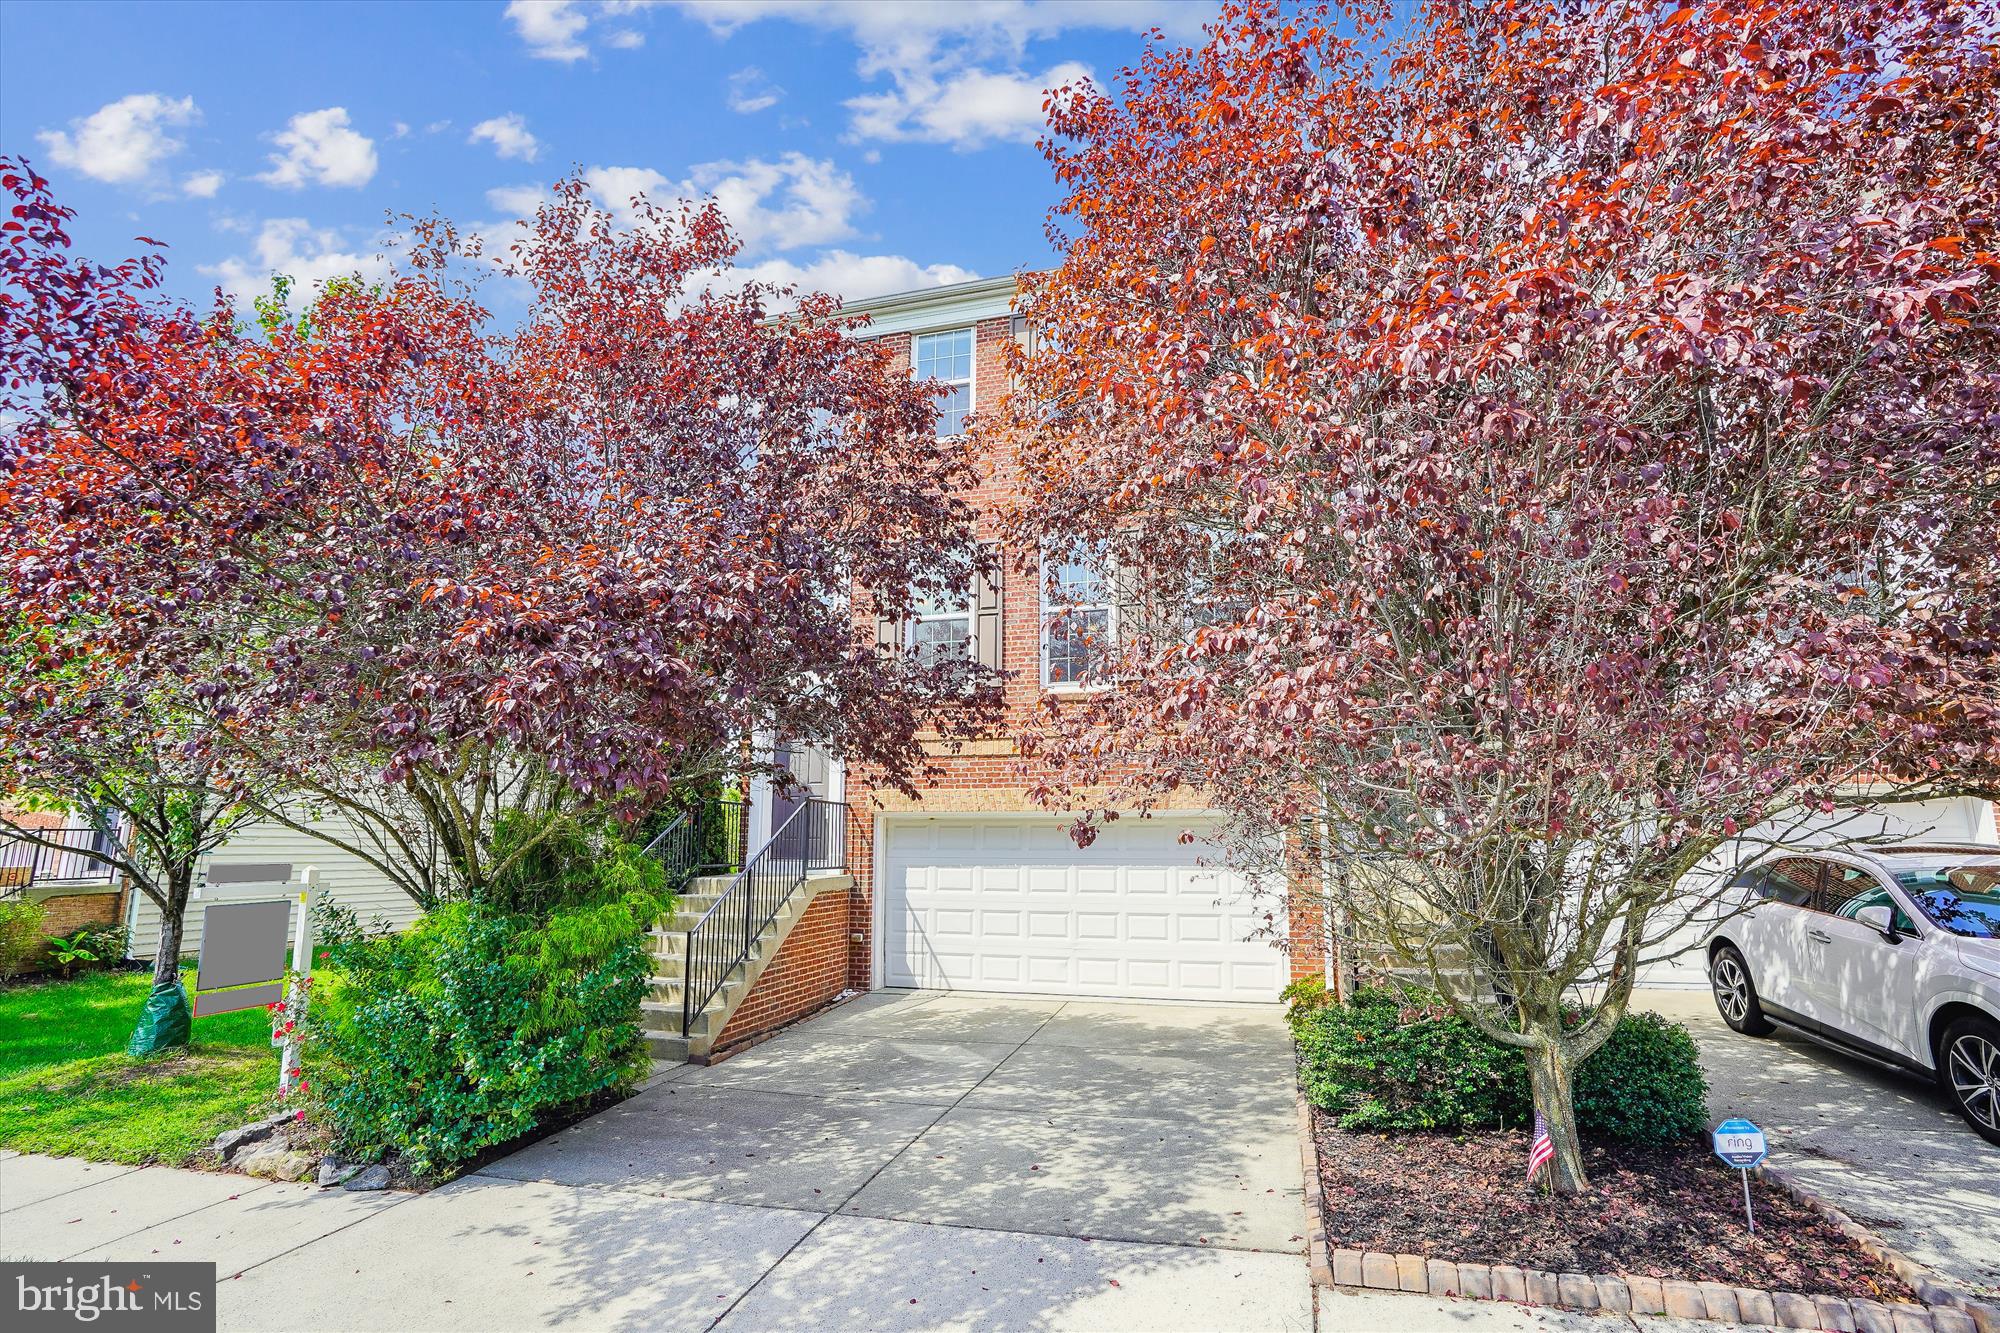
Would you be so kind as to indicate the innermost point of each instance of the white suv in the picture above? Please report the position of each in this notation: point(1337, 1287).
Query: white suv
point(1892, 953)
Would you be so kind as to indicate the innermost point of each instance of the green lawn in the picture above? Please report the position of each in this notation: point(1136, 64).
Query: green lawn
point(67, 1086)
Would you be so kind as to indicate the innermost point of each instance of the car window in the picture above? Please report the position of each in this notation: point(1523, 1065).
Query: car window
point(1964, 900)
point(1840, 888)
point(1790, 880)
point(1870, 894)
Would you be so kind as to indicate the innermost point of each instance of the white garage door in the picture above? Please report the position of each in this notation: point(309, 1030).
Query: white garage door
point(1016, 905)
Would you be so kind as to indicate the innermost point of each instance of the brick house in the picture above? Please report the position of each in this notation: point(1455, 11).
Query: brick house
point(972, 886)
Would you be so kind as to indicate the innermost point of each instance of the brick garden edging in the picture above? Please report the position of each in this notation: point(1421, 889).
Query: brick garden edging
point(1934, 1290)
point(1627, 1294)
point(1316, 1258)
point(1946, 1310)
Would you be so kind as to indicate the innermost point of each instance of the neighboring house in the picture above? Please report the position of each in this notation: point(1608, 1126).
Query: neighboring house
point(342, 878)
point(75, 889)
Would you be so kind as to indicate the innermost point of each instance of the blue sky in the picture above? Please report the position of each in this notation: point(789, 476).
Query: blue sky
point(860, 146)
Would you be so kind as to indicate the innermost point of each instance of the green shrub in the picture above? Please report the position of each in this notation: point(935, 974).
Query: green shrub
point(1307, 995)
point(567, 862)
point(474, 1025)
point(20, 934)
point(1400, 1060)
point(1644, 1084)
point(106, 941)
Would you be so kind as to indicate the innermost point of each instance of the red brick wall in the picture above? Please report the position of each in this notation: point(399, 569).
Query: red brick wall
point(988, 775)
point(811, 967)
point(71, 911)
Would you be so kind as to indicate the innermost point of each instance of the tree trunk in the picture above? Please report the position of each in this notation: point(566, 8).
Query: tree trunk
point(1549, 1079)
point(173, 917)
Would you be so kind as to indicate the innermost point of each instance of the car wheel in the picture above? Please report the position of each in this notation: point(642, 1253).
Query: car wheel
point(1735, 996)
point(1970, 1058)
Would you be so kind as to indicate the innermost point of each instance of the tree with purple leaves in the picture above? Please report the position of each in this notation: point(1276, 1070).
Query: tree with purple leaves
point(422, 573)
point(1544, 440)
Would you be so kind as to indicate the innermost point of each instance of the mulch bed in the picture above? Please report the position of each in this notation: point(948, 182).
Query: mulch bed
point(1672, 1213)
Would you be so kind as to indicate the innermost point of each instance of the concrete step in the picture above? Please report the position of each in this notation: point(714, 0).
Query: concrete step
point(655, 1016)
point(672, 1047)
point(660, 1013)
point(667, 990)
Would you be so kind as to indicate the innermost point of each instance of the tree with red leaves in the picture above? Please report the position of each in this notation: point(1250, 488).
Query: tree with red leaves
point(428, 573)
point(89, 729)
point(1545, 440)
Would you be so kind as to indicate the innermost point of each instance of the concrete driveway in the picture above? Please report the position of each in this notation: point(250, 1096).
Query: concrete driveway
point(905, 1161)
point(1888, 1149)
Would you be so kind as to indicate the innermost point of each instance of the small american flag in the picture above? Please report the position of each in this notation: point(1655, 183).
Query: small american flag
point(1541, 1149)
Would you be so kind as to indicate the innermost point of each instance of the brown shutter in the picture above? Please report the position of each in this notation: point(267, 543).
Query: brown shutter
point(1128, 594)
point(986, 616)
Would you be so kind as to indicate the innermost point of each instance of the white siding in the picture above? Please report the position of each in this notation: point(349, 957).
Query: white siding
point(343, 877)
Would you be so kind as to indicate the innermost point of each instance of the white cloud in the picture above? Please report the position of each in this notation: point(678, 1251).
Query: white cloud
point(958, 72)
point(974, 52)
point(551, 28)
point(308, 255)
point(849, 276)
point(509, 136)
point(202, 184)
point(792, 202)
point(626, 40)
point(970, 108)
point(400, 130)
point(123, 142)
point(516, 201)
point(320, 149)
point(751, 92)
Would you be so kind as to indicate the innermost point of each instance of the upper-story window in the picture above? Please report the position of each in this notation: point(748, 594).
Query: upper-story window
point(940, 628)
point(1079, 616)
point(947, 358)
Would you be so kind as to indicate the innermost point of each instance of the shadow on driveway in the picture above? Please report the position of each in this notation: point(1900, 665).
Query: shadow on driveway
point(1886, 1147)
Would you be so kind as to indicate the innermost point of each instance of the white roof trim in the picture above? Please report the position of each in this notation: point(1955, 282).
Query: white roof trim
point(949, 307)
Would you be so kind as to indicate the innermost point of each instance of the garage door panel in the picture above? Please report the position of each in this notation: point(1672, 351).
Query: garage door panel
point(1097, 926)
point(1097, 880)
point(1100, 973)
point(1014, 904)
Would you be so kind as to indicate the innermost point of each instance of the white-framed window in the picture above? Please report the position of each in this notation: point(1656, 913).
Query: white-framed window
point(1079, 616)
point(947, 358)
point(940, 628)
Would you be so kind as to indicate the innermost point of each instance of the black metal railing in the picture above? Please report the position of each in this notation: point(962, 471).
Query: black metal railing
point(708, 838)
point(23, 862)
point(812, 837)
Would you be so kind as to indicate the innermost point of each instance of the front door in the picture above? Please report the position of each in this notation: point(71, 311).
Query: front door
point(812, 776)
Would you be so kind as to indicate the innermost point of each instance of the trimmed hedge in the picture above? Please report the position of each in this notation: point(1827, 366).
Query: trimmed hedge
point(1400, 1060)
point(475, 1024)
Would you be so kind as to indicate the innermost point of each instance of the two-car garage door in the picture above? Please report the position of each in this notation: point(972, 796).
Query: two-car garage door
point(1013, 904)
